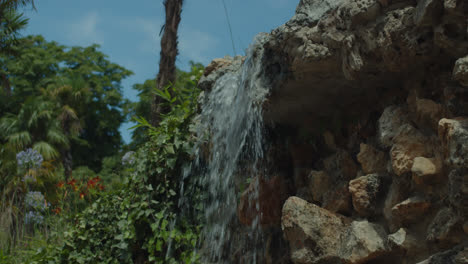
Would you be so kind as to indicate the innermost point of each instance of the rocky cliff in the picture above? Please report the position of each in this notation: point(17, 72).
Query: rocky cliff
point(367, 119)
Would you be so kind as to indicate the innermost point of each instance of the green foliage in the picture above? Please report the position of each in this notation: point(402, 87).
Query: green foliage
point(143, 221)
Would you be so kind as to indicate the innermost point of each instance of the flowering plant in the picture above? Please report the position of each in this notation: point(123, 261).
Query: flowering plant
point(29, 159)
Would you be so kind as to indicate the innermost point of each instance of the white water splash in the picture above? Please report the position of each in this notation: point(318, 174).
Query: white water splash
point(232, 116)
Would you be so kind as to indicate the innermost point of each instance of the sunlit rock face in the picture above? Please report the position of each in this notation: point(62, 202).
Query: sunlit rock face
point(365, 133)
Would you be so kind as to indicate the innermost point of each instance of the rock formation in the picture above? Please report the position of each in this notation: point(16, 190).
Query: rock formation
point(376, 92)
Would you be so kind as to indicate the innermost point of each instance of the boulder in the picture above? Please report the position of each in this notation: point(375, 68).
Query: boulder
point(365, 192)
point(458, 190)
point(409, 143)
point(392, 118)
point(454, 136)
point(426, 170)
point(316, 235)
point(445, 228)
point(410, 211)
point(312, 232)
point(371, 159)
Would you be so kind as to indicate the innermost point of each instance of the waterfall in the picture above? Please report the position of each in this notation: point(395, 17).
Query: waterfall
point(231, 118)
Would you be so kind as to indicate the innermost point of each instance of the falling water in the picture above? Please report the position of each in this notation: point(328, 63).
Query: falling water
point(231, 116)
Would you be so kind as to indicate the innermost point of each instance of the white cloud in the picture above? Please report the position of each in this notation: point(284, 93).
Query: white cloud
point(84, 31)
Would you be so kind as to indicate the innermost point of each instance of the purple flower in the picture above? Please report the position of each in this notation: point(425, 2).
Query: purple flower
point(35, 201)
point(32, 217)
point(29, 159)
point(128, 158)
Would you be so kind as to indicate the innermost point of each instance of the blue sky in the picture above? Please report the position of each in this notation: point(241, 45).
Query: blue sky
point(128, 31)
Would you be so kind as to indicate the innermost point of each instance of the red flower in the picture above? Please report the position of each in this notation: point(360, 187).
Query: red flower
point(57, 210)
point(101, 187)
point(82, 195)
point(60, 184)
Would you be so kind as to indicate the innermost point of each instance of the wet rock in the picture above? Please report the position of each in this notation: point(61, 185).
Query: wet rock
point(371, 159)
point(410, 211)
point(365, 192)
point(393, 117)
point(458, 190)
point(217, 68)
point(454, 136)
point(317, 236)
point(409, 143)
point(404, 241)
point(263, 200)
point(445, 228)
point(460, 71)
point(362, 242)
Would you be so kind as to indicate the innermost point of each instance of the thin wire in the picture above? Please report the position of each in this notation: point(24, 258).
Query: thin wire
point(230, 28)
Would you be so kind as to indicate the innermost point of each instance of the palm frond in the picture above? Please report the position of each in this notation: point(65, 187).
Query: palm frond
point(19, 140)
point(47, 151)
point(57, 137)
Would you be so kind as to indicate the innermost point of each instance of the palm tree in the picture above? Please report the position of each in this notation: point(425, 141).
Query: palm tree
point(167, 68)
point(69, 98)
point(34, 126)
point(10, 24)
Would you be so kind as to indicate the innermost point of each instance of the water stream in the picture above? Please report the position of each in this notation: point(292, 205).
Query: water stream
point(232, 118)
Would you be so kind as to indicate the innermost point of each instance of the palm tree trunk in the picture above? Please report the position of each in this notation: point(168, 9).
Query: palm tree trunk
point(67, 161)
point(167, 68)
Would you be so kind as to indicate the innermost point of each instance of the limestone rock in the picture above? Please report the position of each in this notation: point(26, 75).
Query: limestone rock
point(454, 136)
point(365, 192)
point(409, 143)
point(362, 242)
point(310, 11)
point(318, 236)
point(371, 159)
point(312, 232)
point(445, 227)
point(410, 211)
point(392, 118)
point(460, 71)
point(403, 240)
point(458, 190)
point(360, 11)
point(426, 171)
